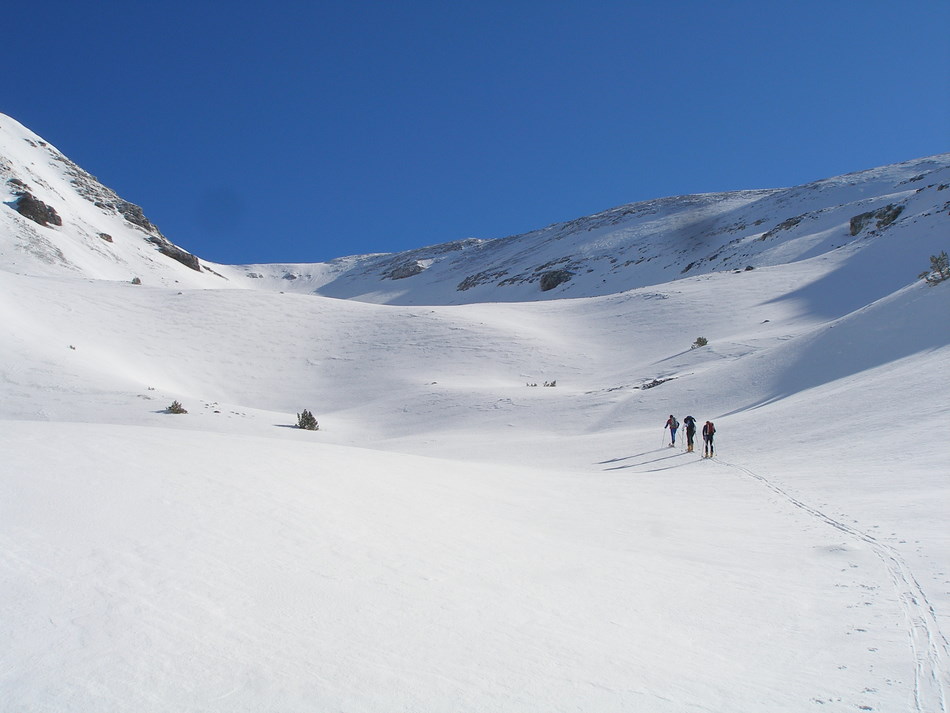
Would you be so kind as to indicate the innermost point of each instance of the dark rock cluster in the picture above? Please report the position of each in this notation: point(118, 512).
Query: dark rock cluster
point(884, 217)
point(176, 253)
point(29, 206)
point(404, 270)
point(553, 278)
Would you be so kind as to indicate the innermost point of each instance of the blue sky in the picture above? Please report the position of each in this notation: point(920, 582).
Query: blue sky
point(303, 131)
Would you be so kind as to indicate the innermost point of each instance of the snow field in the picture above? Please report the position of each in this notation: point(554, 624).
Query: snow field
point(455, 539)
point(190, 566)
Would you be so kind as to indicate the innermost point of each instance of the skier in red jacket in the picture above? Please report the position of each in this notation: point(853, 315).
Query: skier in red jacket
point(709, 430)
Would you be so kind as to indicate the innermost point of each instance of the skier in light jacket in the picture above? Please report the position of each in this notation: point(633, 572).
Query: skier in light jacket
point(672, 424)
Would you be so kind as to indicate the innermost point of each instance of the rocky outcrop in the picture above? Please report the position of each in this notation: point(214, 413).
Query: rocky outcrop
point(884, 217)
point(176, 253)
point(784, 225)
point(404, 270)
point(135, 216)
point(480, 278)
point(106, 199)
point(29, 206)
point(553, 278)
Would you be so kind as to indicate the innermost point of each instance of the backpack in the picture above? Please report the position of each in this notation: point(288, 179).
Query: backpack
point(674, 423)
point(710, 429)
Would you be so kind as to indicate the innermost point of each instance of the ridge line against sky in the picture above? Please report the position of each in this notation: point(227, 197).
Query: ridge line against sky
point(304, 134)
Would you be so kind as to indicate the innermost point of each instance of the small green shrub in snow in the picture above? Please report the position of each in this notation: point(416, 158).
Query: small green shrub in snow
point(306, 421)
point(176, 407)
point(939, 269)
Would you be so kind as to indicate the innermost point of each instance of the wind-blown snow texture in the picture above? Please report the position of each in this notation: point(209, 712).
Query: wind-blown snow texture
point(453, 539)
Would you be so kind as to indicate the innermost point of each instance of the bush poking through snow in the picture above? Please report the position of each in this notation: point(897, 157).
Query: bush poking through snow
point(939, 269)
point(176, 407)
point(307, 422)
point(700, 342)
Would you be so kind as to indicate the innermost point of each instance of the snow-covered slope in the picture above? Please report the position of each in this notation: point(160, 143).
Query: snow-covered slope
point(57, 219)
point(454, 537)
point(902, 210)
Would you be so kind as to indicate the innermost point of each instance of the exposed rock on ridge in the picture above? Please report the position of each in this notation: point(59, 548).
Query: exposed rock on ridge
point(29, 206)
point(88, 187)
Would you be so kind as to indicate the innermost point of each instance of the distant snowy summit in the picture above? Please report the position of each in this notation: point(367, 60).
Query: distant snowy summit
point(656, 242)
point(58, 220)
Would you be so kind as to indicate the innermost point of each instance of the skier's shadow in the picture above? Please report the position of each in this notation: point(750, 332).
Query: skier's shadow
point(641, 463)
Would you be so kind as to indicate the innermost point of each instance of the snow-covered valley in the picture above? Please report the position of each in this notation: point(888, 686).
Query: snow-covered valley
point(458, 536)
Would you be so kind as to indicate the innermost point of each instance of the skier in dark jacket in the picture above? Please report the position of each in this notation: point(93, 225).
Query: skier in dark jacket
point(709, 430)
point(672, 424)
point(690, 423)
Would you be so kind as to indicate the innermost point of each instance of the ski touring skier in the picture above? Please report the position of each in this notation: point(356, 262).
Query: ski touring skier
point(690, 424)
point(709, 430)
point(672, 424)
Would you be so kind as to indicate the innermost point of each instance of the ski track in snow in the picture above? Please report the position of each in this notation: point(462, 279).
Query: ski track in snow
point(930, 648)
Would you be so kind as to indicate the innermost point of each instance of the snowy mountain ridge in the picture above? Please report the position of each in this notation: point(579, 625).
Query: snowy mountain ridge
point(654, 242)
point(645, 243)
point(631, 246)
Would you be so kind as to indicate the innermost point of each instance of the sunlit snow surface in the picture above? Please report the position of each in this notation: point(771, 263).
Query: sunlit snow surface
point(453, 539)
